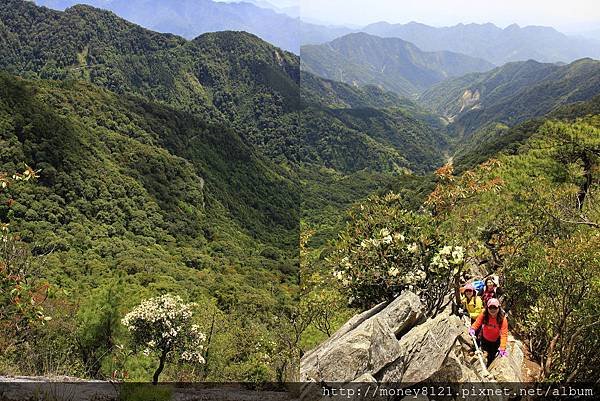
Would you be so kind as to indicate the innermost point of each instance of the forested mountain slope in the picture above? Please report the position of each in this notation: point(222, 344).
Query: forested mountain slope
point(136, 198)
point(512, 93)
point(396, 65)
point(490, 140)
point(226, 77)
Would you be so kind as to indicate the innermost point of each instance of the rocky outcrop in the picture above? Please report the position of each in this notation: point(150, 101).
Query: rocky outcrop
point(423, 350)
point(365, 344)
point(395, 344)
point(391, 343)
point(459, 367)
point(509, 369)
point(469, 99)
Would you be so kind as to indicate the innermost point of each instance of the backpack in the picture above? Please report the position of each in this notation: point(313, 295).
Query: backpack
point(479, 286)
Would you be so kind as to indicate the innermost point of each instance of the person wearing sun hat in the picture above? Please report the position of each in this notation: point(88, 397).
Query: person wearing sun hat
point(471, 302)
point(494, 330)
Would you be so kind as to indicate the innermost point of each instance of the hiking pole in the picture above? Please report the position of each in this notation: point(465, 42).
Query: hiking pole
point(486, 373)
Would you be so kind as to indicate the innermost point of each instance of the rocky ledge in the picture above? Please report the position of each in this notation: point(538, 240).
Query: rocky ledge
point(397, 343)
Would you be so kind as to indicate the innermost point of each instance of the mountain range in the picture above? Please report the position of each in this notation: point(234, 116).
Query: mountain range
point(197, 168)
point(191, 18)
point(227, 77)
point(393, 64)
point(292, 9)
point(494, 44)
point(283, 28)
point(512, 93)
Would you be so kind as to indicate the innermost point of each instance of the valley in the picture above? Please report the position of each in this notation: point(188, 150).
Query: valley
point(281, 194)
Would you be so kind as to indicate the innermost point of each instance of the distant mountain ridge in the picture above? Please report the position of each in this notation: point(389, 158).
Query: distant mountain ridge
point(487, 41)
point(512, 93)
point(394, 64)
point(191, 18)
point(283, 28)
point(291, 10)
point(229, 78)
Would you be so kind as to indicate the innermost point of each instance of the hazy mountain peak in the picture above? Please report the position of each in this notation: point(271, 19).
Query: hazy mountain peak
point(392, 63)
point(190, 18)
point(489, 42)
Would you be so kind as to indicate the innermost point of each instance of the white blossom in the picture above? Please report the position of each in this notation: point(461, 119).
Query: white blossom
point(164, 324)
point(447, 250)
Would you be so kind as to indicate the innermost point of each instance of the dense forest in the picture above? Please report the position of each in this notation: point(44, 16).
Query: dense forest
point(228, 77)
point(394, 64)
point(144, 172)
point(173, 166)
point(135, 199)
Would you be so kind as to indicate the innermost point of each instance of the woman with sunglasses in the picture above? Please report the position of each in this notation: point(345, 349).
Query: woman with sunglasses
point(494, 332)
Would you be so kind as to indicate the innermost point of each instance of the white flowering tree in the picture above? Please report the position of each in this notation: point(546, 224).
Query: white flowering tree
point(163, 326)
point(386, 250)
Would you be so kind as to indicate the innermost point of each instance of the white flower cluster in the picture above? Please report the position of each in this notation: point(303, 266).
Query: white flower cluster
point(413, 248)
point(192, 356)
point(447, 256)
point(4, 228)
point(414, 277)
point(386, 238)
point(165, 308)
point(196, 336)
point(164, 323)
point(342, 274)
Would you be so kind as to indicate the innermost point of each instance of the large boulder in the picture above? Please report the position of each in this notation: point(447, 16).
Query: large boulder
point(423, 350)
point(395, 344)
point(509, 369)
point(365, 344)
point(350, 325)
point(459, 367)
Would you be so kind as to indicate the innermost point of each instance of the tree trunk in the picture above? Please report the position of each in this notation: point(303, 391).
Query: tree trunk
point(585, 187)
point(161, 366)
point(207, 349)
point(547, 366)
point(457, 289)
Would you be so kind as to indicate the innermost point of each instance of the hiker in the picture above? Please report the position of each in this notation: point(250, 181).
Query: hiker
point(471, 302)
point(490, 291)
point(494, 330)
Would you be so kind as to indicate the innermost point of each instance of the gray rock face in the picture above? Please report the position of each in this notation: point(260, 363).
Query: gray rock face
point(351, 324)
point(365, 344)
point(458, 367)
point(395, 343)
point(509, 369)
point(423, 350)
point(366, 378)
